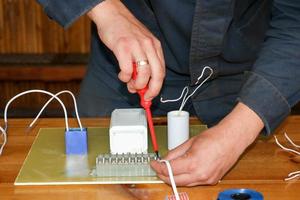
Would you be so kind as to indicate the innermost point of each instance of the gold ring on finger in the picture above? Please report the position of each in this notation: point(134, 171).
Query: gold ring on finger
point(141, 63)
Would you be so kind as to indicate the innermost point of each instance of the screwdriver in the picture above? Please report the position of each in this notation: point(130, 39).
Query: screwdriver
point(146, 105)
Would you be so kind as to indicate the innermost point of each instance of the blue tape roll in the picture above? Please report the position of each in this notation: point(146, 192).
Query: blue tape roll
point(240, 194)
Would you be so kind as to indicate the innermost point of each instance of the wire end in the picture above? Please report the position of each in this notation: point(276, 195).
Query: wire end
point(28, 129)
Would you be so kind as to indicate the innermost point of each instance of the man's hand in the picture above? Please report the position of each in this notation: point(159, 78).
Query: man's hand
point(130, 41)
point(205, 158)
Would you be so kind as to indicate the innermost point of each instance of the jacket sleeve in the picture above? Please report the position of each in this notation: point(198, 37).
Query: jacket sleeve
point(65, 12)
point(273, 85)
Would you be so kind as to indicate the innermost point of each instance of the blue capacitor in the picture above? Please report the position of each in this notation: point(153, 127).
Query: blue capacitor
point(76, 141)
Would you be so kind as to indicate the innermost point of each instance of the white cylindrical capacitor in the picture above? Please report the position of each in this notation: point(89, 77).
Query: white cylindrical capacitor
point(178, 128)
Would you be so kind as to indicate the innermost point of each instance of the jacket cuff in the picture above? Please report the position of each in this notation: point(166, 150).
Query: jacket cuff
point(265, 100)
point(66, 12)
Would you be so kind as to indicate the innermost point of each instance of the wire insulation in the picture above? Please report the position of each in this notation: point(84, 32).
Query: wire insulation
point(4, 135)
point(285, 148)
point(35, 91)
point(173, 184)
point(291, 141)
point(295, 174)
point(53, 97)
point(185, 90)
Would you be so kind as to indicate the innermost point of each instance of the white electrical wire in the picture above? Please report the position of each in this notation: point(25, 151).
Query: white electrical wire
point(208, 77)
point(56, 95)
point(35, 91)
point(295, 174)
point(285, 148)
point(184, 92)
point(290, 140)
point(4, 130)
point(292, 177)
point(186, 89)
point(173, 184)
point(4, 139)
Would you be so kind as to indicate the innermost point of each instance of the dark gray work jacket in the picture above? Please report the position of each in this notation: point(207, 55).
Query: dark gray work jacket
point(253, 47)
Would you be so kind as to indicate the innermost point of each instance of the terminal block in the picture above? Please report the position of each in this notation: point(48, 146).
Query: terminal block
point(76, 141)
point(120, 165)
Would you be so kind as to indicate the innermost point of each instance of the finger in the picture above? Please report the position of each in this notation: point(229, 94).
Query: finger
point(180, 150)
point(181, 180)
point(188, 180)
point(207, 182)
point(210, 180)
point(157, 70)
point(159, 52)
point(130, 87)
point(165, 179)
point(124, 57)
point(144, 71)
point(191, 179)
point(157, 166)
point(183, 164)
point(180, 165)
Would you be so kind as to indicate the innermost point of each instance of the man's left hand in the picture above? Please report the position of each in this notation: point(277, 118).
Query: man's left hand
point(205, 158)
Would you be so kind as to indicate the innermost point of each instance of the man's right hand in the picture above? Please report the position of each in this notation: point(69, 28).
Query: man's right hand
point(130, 42)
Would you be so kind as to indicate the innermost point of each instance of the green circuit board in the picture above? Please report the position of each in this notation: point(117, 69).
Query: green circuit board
point(47, 163)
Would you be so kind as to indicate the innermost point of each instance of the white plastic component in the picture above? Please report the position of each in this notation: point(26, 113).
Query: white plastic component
point(178, 128)
point(128, 131)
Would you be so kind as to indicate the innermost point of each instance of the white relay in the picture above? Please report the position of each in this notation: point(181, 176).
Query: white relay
point(128, 131)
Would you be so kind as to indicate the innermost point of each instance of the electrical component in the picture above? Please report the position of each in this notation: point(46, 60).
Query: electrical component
point(116, 165)
point(76, 141)
point(178, 128)
point(3, 130)
point(128, 131)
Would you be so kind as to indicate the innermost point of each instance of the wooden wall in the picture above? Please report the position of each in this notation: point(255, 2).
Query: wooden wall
point(33, 52)
point(24, 28)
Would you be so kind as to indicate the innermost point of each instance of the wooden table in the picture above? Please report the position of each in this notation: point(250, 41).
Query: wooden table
point(262, 168)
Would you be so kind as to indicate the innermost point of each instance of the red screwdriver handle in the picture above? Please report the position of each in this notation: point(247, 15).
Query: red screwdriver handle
point(145, 104)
